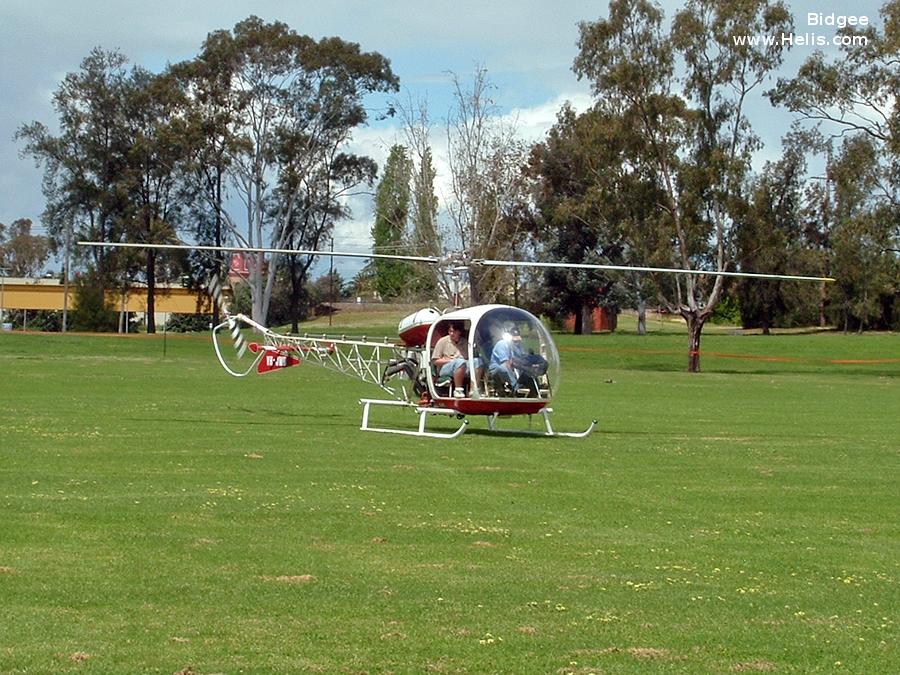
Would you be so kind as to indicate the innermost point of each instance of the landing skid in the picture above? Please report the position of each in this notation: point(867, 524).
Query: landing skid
point(548, 427)
point(423, 413)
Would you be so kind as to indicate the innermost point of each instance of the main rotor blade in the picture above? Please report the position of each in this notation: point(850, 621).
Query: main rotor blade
point(630, 268)
point(252, 249)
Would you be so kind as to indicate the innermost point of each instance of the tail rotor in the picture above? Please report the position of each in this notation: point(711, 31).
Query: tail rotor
point(214, 287)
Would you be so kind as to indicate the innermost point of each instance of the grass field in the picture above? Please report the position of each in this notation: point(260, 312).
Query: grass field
point(159, 516)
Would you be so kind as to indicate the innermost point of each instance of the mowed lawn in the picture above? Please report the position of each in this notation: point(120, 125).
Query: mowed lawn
point(160, 516)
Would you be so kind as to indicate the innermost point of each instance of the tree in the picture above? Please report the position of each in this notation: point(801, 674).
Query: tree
point(855, 93)
point(210, 115)
point(694, 141)
point(425, 237)
point(487, 183)
point(577, 195)
point(155, 152)
point(295, 102)
point(392, 199)
point(319, 205)
point(111, 173)
point(93, 312)
point(854, 98)
point(85, 163)
point(867, 271)
point(771, 236)
point(22, 254)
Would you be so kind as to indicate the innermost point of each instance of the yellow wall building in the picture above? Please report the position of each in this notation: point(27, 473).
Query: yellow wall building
point(31, 294)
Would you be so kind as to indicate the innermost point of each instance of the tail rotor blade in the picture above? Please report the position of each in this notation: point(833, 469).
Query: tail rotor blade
point(215, 290)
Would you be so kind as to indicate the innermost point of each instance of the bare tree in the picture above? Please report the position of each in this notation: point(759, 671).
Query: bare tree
point(425, 237)
point(487, 182)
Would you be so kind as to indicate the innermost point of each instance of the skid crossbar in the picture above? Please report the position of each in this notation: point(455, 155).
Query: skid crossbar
point(549, 430)
point(423, 413)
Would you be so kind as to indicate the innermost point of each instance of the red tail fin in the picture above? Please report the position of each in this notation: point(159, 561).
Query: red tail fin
point(274, 358)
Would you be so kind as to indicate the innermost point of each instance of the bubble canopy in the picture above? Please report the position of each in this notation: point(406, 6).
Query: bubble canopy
point(489, 325)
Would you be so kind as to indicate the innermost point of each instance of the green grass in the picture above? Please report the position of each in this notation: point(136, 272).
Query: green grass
point(158, 515)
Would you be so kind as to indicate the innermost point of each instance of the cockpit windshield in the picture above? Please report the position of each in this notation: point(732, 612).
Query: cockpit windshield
point(520, 357)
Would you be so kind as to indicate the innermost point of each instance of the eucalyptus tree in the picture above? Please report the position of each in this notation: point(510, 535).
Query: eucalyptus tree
point(295, 103)
point(852, 98)
point(319, 197)
point(866, 269)
point(771, 235)
point(855, 93)
point(210, 116)
point(690, 133)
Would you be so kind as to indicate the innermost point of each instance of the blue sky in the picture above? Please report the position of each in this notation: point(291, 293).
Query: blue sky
point(527, 46)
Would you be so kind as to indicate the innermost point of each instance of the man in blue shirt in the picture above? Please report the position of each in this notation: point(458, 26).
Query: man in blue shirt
point(501, 368)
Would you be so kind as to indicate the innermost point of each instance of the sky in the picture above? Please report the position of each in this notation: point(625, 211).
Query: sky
point(527, 46)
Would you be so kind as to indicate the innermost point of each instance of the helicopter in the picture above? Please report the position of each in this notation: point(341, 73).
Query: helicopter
point(510, 364)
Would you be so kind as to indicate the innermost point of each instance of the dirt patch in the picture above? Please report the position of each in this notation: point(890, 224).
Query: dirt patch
point(484, 544)
point(641, 653)
point(79, 657)
point(527, 630)
point(6, 570)
point(292, 579)
point(648, 652)
point(758, 666)
point(253, 455)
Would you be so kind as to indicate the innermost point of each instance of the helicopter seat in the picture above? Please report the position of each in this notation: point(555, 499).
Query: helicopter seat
point(443, 386)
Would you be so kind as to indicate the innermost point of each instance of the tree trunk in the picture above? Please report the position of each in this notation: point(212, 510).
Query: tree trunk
point(642, 318)
point(823, 299)
point(695, 323)
point(296, 287)
point(587, 319)
point(218, 263)
point(151, 291)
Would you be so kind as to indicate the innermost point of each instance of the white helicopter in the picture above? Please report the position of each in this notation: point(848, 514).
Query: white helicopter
point(511, 366)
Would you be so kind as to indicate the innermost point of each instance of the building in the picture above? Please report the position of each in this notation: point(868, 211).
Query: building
point(50, 294)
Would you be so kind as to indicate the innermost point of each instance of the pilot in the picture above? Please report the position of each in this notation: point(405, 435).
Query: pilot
point(518, 372)
point(451, 355)
point(507, 349)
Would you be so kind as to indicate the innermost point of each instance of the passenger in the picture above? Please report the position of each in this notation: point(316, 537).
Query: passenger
point(451, 355)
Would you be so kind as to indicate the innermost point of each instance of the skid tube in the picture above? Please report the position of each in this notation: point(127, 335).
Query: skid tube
point(549, 431)
point(423, 412)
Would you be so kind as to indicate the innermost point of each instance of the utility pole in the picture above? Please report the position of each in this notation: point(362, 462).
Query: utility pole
point(331, 283)
point(65, 317)
point(2, 282)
